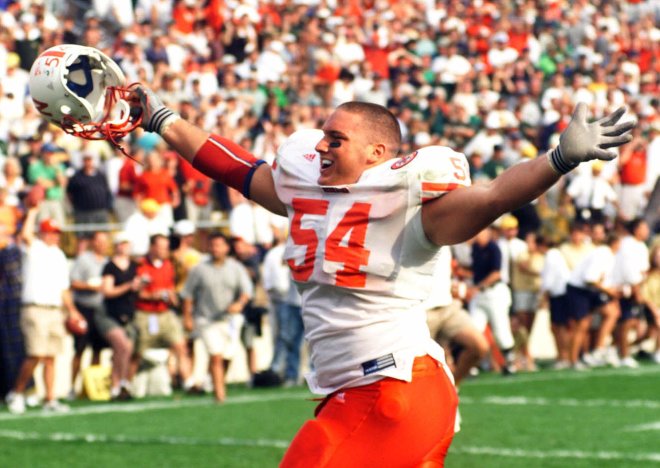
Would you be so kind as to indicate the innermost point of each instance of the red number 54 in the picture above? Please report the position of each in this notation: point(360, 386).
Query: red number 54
point(351, 254)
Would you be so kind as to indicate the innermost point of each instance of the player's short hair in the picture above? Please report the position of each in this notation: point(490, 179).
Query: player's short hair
point(381, 121)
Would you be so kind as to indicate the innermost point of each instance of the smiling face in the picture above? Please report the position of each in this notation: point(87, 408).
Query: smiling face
point(356, 137)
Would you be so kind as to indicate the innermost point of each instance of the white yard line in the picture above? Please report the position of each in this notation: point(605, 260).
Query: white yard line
point(533, 401)
point(137, 406)
point(138, 440)
point(655, 426)
point(556, 454)
point(553, 376)
point(282, 444)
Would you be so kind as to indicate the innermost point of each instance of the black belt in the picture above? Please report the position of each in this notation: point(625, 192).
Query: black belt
point(43, 306)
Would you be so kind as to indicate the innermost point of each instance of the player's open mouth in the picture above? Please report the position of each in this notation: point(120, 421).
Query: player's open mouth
point(326, 163)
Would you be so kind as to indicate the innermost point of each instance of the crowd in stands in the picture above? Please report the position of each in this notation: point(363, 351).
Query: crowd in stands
point(495, 80)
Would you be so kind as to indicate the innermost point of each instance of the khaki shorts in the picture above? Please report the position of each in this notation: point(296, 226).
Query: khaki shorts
point(222, 337)
point(447, 322)
point(43, 330)
point(157, 330)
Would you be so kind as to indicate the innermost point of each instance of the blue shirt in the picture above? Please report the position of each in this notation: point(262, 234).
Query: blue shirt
point(485, 260)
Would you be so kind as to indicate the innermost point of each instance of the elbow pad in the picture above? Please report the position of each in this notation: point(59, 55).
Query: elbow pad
point(225, 161)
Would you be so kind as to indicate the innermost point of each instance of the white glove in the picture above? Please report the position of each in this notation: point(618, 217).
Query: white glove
point(156, 117)
point(582, 141)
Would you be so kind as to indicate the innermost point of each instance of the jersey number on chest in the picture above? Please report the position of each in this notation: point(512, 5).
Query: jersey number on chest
point(344, 245)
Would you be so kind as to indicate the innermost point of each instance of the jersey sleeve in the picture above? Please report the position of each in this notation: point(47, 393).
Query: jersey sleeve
point(438, 170)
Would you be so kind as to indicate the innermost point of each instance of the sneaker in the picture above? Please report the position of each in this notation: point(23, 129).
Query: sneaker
point(55, 406)
point(597, 358)
point(508, 370)
point(629, 362)
point(123, 395)
point(71, 396)
point(32, 400)
point(15, 403)
point(579, 366)
point(656, 357)
point(195, 390)
point(561, 365)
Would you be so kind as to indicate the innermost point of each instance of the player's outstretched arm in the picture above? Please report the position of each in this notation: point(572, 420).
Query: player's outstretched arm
point(461, 214)
point(213, 155)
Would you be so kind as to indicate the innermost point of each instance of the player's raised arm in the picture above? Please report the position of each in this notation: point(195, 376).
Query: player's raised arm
point(217, 157)
point(461, 214)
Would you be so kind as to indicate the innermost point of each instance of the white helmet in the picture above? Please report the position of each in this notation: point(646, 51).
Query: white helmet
point(82, 90)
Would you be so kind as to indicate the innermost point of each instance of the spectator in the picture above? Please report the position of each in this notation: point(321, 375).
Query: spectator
point(630, 270)
point(632, 171)
point(49, 173)
point(143, 224)
point(497, 163)
point(155, 320)
point(156, 182)
point(124, 202)
point(590, 289)
point(90, 196)
point(526, 287)
point(591, 194)
point(184, 257)
point(491, 297)
point(196, 191)
point(114, 320)
point(12, 181)
point(86, 273)
point(554, 278)
point(286, 304)
point(45, 293)
point(12, 350)
point(650, 292)
point(252, 223)
point(215, 293)
point(449, 324)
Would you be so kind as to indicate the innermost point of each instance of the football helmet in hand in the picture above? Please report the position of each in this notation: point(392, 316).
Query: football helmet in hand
point(83, 91)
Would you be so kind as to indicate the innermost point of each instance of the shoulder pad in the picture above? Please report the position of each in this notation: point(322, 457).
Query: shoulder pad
point(438, 169)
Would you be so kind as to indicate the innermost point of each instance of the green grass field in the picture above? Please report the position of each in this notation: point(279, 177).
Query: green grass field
point(600, 418)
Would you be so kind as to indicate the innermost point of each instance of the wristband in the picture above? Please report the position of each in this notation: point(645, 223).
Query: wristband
point(558, 163)
point(161, 120)
point(225, 161)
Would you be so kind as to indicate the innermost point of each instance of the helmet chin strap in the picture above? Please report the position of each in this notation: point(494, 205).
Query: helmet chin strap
point(116, 121)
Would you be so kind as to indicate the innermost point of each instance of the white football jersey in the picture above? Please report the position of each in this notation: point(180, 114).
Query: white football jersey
point(361, 260)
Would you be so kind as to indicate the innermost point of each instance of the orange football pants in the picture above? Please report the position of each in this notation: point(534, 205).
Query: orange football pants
point(390, 423)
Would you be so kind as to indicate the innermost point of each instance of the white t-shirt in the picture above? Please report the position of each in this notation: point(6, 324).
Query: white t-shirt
point(45, 274)
point(555, 273)
point(631, 262)
point(596, 267)
point(361, 260)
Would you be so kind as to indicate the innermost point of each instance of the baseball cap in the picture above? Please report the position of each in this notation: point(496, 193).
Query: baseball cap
point(50, 148)
point(509, 222)
point(149, 205)
point(184, 227)
point(49, 225)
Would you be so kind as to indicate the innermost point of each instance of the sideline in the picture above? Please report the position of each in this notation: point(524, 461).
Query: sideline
point(548, 375)
point(136, 406)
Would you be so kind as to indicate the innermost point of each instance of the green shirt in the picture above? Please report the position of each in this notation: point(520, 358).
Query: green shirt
point(39, 170)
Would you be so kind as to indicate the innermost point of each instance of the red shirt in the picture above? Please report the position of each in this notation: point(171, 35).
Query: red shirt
point(157, 185)
point(161, 278)
point(201, 184)
point(633, 172)
point(127, 178)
